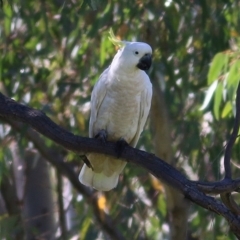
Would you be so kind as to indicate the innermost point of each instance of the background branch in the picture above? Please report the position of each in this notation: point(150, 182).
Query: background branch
point(232, 139)
point(103, 219)
point(227, 198)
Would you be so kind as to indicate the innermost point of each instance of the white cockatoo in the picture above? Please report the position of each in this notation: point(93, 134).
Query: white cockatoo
point(120, 105)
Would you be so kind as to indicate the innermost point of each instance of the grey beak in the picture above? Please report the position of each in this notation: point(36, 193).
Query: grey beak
point(145, 62)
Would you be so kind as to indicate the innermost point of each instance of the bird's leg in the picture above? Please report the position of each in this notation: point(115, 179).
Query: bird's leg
point(102, 135)
point(86, 161)
point(121, 144)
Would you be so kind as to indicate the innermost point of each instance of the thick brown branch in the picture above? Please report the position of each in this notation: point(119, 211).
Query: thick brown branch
point(9, 109)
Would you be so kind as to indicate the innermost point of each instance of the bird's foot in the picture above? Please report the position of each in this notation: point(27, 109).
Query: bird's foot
point(86, 161)
point(102, 136)
point(121, 144)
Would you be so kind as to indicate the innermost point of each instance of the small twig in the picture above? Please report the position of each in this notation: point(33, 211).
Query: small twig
point(227, 197)
point(224, 186)
point(232, 139)
point(230, 203)
point(62, 220)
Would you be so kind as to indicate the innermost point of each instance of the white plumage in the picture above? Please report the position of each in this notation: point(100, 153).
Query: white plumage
point(120, 104)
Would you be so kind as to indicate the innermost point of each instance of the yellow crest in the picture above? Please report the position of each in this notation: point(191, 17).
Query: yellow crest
point(114, 39)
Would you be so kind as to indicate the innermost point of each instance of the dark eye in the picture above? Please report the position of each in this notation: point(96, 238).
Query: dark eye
point(136, 52)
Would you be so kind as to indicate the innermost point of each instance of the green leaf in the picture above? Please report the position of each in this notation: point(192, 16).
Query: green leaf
point(233, 80)
point(85, 227)
point(219, 61)
point(209, 95)
point(233, 75)
point(217, 100)
point(103, 50)
point(227, 109)
point(8, 17)
point(162, 205)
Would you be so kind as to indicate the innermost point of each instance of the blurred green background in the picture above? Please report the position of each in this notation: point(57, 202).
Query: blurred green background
point(52, 53)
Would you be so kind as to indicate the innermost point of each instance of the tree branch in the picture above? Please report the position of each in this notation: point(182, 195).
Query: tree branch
point(223, 186)
point(227, 197)
point(9, 109)
point(232, 139)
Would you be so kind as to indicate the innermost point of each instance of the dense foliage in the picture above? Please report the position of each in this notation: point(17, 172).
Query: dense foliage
point(52, 53)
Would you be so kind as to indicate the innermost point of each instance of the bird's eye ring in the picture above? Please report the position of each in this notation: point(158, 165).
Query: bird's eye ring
point(136, 52)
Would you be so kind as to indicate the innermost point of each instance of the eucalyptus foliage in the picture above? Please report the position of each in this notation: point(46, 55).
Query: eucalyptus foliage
point(51, 55)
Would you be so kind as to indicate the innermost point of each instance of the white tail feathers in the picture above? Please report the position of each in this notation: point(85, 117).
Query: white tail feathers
point(98, 181)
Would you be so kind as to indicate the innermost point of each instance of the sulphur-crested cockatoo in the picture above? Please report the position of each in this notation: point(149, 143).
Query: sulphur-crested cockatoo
point(120, 104)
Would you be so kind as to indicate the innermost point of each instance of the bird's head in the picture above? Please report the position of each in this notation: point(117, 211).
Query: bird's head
point(139, 54)
point(132, 55)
